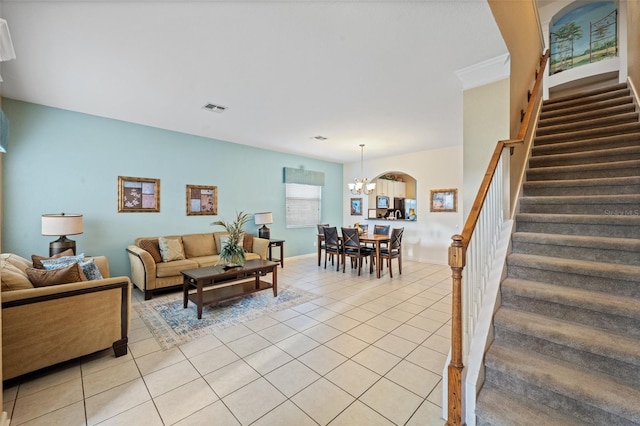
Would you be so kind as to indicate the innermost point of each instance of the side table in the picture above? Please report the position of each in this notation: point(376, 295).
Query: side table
point(277, 243)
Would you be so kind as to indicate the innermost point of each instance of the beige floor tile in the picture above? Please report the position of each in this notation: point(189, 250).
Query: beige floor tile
point(322, 333)
point(71, 415)
point(116, 400)
point(206, 416)
point(435, 315)
point(158, 360)
point(232, 333)
point(367, 333)
point(322, 359)
point(248, 344)
point(383, 323)
point(146, 410)
point(428, 414)
point(277, 332)
point(322, 401)
point(169, 378)
point(353, 378)
point(301, 322)
point(267, 359)
point(185, 400)
point(305, 307)
point(321, 314)
point(346, 345)
point(261, 323)
point(411, 333)
point(144, 347)
point(360, 314)
point(435, 397)
point(297, 345)
point(359, 414)
point(47, 400)
point(200, 345)
point(396, 345)
point(428, 358)
point(9, 392)
point(339, 307)
point(444, 331)
point(438, 343)
point(414, 378)
point(412, 308)
point(376, 359)
point(375, 307)
point(231, 377)
point(103, 359)
point(392, 401)
point(48, 378)
point(292, 377)
point(285, 414)
point(214, 359)
point(253, 401)
point(108, 378)
point(342, 323)
point(285, 314)
point(138, 334)
point(397, 314)
point(424, 323)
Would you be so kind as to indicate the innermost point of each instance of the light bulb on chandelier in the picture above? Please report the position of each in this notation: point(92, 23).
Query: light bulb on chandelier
point(362, 186)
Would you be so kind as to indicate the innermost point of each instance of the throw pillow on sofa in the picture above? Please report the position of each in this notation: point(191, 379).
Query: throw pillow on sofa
point(13, 278)
point(153, 248)
point(171, 248)
point(43, 277)
point(61, 262)
point(37, 260)
point(90, 270)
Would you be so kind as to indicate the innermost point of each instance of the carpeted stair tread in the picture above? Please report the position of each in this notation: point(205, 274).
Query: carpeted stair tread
point(585, 94)
point(588, 134)
point(586, 157)
point(579, 337)
point(622, 306)
point(498, 408)
point(627, 117)
point(607, 169)
point(583, 108)
point(586, 199)
point(587, 115)
point(587, 219)
point(594, 390)
point(594, 144)
point(578, 267)
point(584, 98)
point(589, 186)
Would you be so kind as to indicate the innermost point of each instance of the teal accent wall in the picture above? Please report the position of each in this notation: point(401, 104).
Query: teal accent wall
point(62, 161)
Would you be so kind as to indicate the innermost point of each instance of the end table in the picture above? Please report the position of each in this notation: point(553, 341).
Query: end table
point(277, 243)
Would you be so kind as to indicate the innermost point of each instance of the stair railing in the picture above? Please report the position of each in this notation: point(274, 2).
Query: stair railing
point(475, 247)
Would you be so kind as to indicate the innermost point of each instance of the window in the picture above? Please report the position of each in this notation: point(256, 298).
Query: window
point(302, 205)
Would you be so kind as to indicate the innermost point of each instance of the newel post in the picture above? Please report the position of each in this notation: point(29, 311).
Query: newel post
point(454, 400)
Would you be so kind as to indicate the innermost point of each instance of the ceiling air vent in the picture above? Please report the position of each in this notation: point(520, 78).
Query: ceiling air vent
point(319, 138)
point(215, 108)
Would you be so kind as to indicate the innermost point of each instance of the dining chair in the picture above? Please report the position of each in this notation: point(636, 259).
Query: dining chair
point(393, 251)
point(351, 247)
point(332, 245)
point(321, 238)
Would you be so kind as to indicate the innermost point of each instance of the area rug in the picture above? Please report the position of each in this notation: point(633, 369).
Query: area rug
point(172, 325)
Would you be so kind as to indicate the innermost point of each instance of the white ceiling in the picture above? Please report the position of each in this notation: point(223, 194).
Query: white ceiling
point(380, 73)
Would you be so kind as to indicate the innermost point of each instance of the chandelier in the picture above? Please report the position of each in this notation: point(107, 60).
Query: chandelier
point(362, 186)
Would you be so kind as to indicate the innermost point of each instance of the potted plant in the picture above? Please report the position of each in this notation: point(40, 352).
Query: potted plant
point(232, 251)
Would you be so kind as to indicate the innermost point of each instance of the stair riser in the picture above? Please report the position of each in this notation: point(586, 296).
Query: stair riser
point(615, 231)
point(573, 118)
point(585, 101)
point(587, 134)
point(541, 174)
point(605, 156)
point(604, 320)
point(560, 113)
point(626, 118)
point(572, 191)
point(595, 254)
point(534, 206)
point(620, 141)
point(586, 282)
point(582, 411)
point(625, 372)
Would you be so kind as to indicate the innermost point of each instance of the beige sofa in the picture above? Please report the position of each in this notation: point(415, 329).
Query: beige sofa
point(150, 274)
point(43, 326)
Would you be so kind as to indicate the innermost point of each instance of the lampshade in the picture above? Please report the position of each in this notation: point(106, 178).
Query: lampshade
point(6, 46)
point(61, 224)
point(263, 218)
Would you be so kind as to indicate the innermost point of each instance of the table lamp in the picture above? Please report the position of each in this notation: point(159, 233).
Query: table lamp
point(263, 219)
point(62, 225)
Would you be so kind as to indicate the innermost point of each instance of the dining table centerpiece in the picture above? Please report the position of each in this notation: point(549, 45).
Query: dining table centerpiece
point(232, 250)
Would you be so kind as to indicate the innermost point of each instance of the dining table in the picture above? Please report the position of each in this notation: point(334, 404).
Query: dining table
point(369, 238)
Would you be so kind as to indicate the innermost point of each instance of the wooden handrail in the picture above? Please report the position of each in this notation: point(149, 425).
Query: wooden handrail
point(458, 254)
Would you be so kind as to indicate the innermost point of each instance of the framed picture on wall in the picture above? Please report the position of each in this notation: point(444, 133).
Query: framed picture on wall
point(137, 195)
point(356, 206)
point(444, 200)
point(202, 200)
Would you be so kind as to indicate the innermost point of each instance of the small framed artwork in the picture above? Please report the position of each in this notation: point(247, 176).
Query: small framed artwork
point(356, 206)
point(202, 200)
point(136, 195)
point(444, 200)
point(372, 214)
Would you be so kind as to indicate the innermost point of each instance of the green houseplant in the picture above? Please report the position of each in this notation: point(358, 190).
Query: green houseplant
point(232, 251)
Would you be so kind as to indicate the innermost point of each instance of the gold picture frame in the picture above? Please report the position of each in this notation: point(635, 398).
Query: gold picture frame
point(444, 200)
point(138, 195)
point(202, 200)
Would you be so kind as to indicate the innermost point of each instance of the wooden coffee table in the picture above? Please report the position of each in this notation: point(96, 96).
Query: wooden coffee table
point(215, 283)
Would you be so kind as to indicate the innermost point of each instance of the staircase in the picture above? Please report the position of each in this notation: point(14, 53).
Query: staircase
point(567, 333)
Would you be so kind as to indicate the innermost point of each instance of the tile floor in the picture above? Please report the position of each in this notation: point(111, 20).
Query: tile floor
point(366, 352)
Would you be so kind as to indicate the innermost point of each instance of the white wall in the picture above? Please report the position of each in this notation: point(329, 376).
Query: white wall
point(428, 238)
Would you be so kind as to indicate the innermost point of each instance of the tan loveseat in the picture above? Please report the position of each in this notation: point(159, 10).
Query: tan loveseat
point(43, 326)
point(149, 273)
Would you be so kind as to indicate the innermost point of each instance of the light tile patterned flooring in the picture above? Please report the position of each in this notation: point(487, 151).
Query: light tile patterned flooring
point(366, 352)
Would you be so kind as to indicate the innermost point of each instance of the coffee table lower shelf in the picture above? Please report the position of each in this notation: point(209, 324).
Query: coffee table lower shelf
point(236, 289)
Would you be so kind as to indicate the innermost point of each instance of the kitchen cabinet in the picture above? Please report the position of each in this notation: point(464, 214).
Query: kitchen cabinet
point(399, 189)
point(384, 187)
